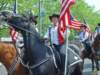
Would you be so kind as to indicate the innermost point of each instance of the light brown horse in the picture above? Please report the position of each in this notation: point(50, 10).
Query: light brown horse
point(7, 55)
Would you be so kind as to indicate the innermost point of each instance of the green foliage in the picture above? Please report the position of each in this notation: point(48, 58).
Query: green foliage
point(85, 12)
point(4, 32)
point(81, 9)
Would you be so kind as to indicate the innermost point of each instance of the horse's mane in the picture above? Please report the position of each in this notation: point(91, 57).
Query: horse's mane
point(2, 46)
point(8, 46)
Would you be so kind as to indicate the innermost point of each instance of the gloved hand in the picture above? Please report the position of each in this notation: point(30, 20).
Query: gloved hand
point(47, 41)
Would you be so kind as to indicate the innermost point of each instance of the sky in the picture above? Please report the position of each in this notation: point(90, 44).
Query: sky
point(94, 3)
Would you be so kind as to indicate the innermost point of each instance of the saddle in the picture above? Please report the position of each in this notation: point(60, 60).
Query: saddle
point(73, 57)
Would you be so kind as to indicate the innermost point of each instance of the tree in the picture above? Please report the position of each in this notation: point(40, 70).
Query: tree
point(81, 9)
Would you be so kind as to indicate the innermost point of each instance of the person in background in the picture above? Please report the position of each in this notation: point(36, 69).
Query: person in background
point(84, 38)
point(83, 35)
point(52, 32)
point(97, 29)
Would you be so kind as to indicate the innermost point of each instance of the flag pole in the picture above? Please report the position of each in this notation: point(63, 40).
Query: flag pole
point(66, 58)
point(40, 28)
point(15, 7)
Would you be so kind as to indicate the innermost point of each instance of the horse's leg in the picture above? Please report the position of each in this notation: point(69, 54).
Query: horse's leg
point(97, 64)
point(82, 56)
point(83, 64)
point(92, 60)
point(77, 70)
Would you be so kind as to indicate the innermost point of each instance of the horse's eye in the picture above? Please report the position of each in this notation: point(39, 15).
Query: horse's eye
point(5, 19)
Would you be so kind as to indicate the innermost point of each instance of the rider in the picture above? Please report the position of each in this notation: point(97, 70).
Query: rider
point(84, 38)
point(52, 32)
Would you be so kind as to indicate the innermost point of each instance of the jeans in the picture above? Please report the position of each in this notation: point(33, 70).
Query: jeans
point(87, 47)
point(57, 47)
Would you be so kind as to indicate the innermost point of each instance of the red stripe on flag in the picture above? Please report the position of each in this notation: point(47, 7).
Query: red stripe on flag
point(65, 7)
point(75, 24)
point(64, 18)
point(13, 34)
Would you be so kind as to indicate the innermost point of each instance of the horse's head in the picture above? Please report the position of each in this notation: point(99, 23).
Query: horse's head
point(17, 21)
point(5, 15)
point(7, 53)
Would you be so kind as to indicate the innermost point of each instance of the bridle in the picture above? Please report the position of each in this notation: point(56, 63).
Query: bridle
point(16, 61)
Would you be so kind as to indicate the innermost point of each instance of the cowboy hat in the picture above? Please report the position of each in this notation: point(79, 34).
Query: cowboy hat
point(98, 24)
point(83, 25)
point(53, 15)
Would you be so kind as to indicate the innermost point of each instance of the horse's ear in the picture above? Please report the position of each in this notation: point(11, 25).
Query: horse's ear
point(7, 14)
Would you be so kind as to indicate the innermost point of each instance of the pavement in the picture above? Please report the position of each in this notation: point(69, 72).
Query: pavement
point(88, 68)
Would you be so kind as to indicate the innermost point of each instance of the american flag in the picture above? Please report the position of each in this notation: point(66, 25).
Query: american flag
point(64, 18)
point(13, 34)
point(75, 24)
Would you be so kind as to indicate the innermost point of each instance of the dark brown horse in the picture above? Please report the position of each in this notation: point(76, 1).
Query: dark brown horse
point(85, 54)
point(7, 56)
point(91, 54)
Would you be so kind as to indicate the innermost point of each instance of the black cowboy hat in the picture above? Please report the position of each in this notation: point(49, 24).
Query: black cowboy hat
point(83, 25)
point(98, 24)
point(53, 15)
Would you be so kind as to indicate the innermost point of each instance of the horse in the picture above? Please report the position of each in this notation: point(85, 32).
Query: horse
point(37, 55)
point(8, 57)
point(84, 54)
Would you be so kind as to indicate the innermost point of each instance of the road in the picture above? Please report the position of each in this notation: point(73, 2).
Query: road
point(87, 69)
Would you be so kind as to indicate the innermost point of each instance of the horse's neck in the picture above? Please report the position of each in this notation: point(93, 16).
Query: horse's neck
point(19, 69)
point(7, 63)
point(32, 38)
point(34, 48)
